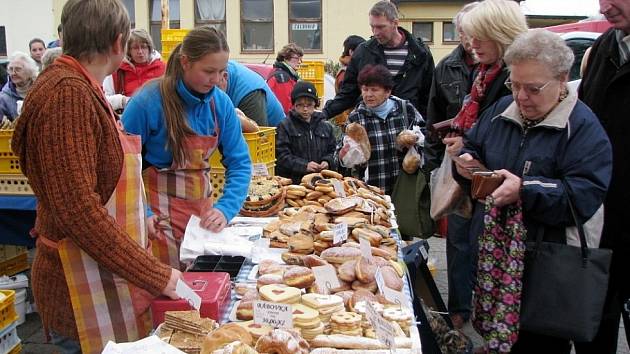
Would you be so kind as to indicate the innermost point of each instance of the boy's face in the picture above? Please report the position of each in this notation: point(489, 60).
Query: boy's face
point(305, 107)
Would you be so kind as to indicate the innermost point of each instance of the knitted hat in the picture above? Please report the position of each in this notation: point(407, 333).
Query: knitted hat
point(303, 89)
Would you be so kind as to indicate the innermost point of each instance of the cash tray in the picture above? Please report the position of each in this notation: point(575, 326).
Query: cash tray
point(217, 263)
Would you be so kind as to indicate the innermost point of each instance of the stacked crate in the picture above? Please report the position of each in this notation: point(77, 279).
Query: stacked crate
point(9, 340)
point(12, 181)
point(313, 71)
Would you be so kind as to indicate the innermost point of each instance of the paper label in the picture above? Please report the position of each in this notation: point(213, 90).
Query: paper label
point(185, 292)
point(341, 192)
point(366, 248)
point(396, 297)
point(326, 277)
point(424, 253)
point(380, 282)
point(384, 330)
point(340, 233)
point(273, 314)
point(260, 169)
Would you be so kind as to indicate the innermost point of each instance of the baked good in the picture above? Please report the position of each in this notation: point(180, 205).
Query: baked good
point(343, 286)
point(226, 334)
point(267, 279)
point(397, 267)
point(321, 302)
point(371, 286)
point(186, 341)
point(262, 190)
point(391, 278)
point(361, 295)
point(371, 236)
point(301, 244)
point(339, 255)
point(341, 341)
point(321, 246)
point(310, 333)
point(245, 310)
point(248, 125)
point(350, 221)
point(357, 132)
point(411, 162)
point(365, 270)
point(236, 348)
point(305, 317)
point(406, 138)
point(340, 205)
point(326, 235)
point(282, 341)
point(310, 179)
point(250, 294)
point(312, 260)
point(299, 277)
point(292, 258)
point(290, 228)
point(382, 230)
point(254, 329)
point(347, 271)
point(278, 293)
point(385, 253)
point(269, 266)
point(314, 195)
point(331, 174)
point(346, 295)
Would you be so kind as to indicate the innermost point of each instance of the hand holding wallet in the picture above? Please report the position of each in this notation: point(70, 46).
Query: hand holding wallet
point(441, 129)
point(484, 183)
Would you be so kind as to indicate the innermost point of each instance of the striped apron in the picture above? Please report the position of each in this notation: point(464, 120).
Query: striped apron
point(178, 192)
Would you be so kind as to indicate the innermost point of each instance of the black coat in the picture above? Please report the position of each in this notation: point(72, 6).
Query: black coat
point(299, 142)
point(605, 88)
point(412, 83)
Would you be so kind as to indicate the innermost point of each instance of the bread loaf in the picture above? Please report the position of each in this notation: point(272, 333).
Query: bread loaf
point(357, 133)
point(248, 125)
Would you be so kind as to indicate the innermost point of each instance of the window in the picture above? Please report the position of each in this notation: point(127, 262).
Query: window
point(305, 24)
point(423, 30)
point(131, 9)
point(3, 42)
point(156, 19)
point(257, 25)
point(449, 33)
point(210, 12)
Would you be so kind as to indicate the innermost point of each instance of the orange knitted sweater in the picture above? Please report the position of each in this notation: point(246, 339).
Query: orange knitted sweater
point(69, 150)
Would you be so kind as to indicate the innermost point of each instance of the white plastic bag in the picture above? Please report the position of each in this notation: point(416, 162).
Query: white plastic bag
point(351, 154)
point(447, 197)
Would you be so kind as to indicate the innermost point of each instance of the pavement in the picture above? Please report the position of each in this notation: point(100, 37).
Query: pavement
point(33, 340)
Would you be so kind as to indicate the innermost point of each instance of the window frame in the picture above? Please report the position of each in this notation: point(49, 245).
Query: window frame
point(453, 41)
point(198, 22)
point(3, 32)
point(291, 21)
point(242, 25)
point(132, 15)
point(172, 24)
point(432, 41)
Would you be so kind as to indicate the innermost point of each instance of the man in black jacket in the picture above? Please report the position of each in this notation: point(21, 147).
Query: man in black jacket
point(408, 59)
point(605, 88)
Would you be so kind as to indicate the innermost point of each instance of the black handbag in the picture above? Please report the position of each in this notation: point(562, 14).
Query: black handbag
point(564, 287)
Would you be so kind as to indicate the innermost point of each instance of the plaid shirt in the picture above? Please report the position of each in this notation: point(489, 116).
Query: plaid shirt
point(385, 160)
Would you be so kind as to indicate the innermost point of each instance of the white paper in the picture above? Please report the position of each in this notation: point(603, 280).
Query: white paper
point(384, 330)
point(396, 297)
point(273, 314)
point(380, 282)
point(366, 248)
point(326, 277)
point(185, 292)
point(341, 192)
point(148, 345)
point(251, 221)
point(424, 252)
point(260, 169)
point(340, 233)
point(199, 241)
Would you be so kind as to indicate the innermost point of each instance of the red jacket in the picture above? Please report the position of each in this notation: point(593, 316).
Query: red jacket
point(281, 82)
point(133, 76)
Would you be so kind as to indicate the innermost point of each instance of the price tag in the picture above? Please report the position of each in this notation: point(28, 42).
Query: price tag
point(366, 248)
point(380, 282)
point(326, 277)
point(273, 314)
point(185, 292)
point(341, 192)
point(396, 297)
point(384, 330)
point(424, 253)
point(340, 233)
point(260, 169)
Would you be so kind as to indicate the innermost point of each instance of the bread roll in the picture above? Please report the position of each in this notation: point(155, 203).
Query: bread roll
point(248, 125)
point(357, 133)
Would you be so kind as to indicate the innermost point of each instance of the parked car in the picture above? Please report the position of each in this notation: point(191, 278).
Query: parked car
point(579, 42)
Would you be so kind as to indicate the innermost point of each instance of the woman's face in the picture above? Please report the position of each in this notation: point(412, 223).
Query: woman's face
point(374, 95)
point(139, 52)
point(19, 75)
point(535, 89)
point(202, 75)
point(37, 51)
point(486, 51)
point(294, 61)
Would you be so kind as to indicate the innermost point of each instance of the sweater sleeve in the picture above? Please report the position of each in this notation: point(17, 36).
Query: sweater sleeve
point(67, 186)
point(286, 159)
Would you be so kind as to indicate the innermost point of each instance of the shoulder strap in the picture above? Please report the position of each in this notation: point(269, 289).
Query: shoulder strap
point(404, 112)
point(120, 82)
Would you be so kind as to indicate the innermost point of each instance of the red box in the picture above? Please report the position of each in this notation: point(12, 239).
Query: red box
point(214, 289)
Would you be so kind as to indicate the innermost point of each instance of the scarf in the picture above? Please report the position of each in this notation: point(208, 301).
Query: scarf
point(291, 70)
point(499, 276)
point(468, 114)
point(383, 110)
point(23, 89)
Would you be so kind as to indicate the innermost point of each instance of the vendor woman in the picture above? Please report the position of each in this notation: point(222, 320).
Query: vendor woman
point(182, 119)
point(93, 276)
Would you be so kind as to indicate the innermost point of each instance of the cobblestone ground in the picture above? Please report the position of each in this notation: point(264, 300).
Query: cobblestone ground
point(33, 340)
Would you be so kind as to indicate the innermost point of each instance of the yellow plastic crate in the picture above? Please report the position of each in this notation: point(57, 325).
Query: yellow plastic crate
point(17, 349)
point(10, 251)
point(14, 184)
point(7, 310)
point(217, 178)
point(9, 163)
point(14, 265)
point(262, 147)
point(312, 70)
point(173, 35)
point(5, 140)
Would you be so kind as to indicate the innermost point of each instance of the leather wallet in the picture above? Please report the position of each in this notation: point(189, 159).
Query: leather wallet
point(484, 183)
point(441, 129)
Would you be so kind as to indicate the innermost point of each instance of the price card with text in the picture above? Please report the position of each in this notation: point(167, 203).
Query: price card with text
point(185, 292)
point(380, 282)
point(260, 169)
point(384, 330)
point(396, 297)
point(273, 314)
point(340, 233)
point(366, 248)
point(424, 253)
point(326, 277)
point(338, 186)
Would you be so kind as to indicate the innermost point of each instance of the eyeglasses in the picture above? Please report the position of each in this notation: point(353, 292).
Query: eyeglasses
point(14, 69)
point(295, 58)
point(530, 90)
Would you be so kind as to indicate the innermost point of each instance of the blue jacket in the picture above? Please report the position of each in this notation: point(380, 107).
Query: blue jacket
point(569, 144)
point(8, 101)
point(242, 81)
point(144, 116)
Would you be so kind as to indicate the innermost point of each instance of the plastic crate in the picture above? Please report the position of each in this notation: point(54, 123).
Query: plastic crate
point(217, 178)
point(5, 140)
point(11, 184)
point(14, 265)
point(17, 349)
point(8, 316)
point(9, 339)
point(173, 35)
point(10, 251)
point(312, 71)
point(168, 47)
point(9, 163)
point(262, 147)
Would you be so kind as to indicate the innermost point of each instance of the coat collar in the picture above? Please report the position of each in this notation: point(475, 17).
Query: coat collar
point(189, 98)
point(558, 118)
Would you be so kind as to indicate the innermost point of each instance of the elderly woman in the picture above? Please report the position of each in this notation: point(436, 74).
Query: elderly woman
point(284, 75)
point(491, 27)
point(538, 139)
point(22, 73)
point(383, 116)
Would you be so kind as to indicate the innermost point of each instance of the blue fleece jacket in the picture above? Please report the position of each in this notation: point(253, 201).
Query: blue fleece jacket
point(144, 116)
point(8, 100)
point(242, 81)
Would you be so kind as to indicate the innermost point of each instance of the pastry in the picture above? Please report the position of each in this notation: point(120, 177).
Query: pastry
point(357, 132)
point(327, 235)
point(321, 246)
point(310, 179)
point(301, 244)
point(241, 288)
point(268, 266)
point(290, 228)
point(365, 270)
point(331, 174)
point(313, 261)
point(371, 236)
point(406, 138)
point(346, 295)
point(226, 334)
point(371, 286)
point(348, 323)
point(391, 278)
point(349, 342)
point(277, 293)
point(343, 286)
point(397, 267)
point(385, 253)
point(245, 310)
point(282, 341)
point(254, 329)
point(292, 258)
point(299, 277)
point(361, 295)
point(340, 205)
point(267, 279)
point(321, 302)
point(350, 221)
point(347, 271)
point(339, 255)
point(262, 190)
point(305, 316)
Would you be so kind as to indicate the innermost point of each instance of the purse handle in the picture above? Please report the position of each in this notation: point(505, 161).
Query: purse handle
point(580, 227)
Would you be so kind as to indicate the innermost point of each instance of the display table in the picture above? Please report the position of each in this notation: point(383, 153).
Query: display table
point(17, 218)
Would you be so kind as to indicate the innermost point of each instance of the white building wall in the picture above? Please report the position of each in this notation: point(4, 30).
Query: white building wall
point(26, 19)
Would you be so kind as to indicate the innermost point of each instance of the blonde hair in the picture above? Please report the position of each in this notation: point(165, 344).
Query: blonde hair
point(141, 36)
point(197, 43)
point(499, 21)
point(90, 27)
